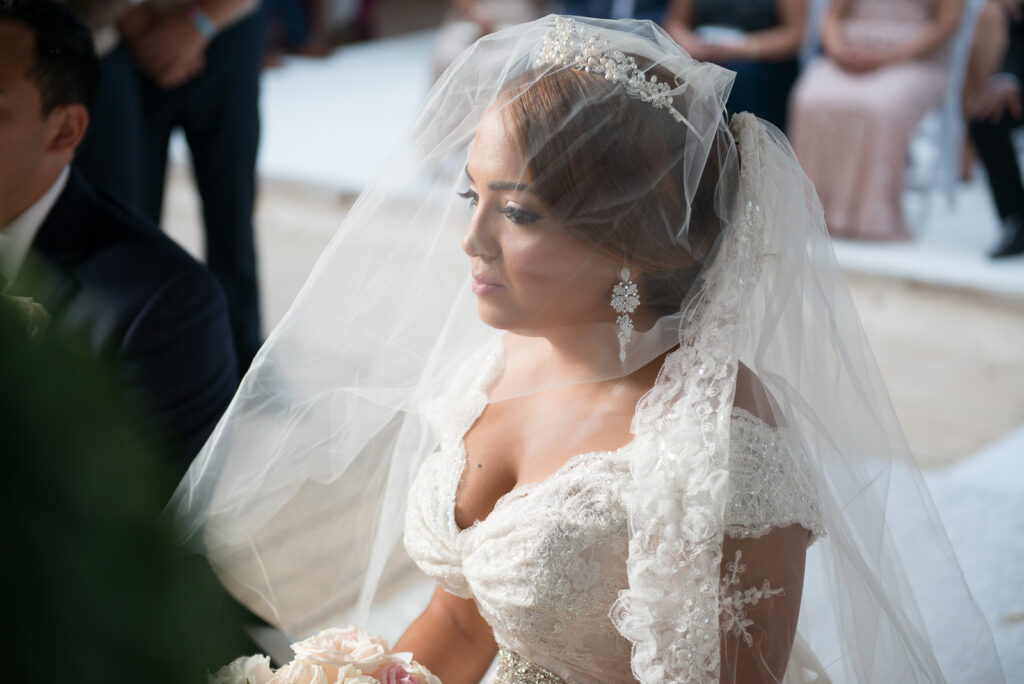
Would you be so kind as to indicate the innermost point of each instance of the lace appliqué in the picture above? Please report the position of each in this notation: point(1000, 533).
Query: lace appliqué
point(733, 600)
point(672, 621)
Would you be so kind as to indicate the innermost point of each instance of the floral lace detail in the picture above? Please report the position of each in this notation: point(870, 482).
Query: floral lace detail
point(768, 482)
point(681, 475)
point(733, 600)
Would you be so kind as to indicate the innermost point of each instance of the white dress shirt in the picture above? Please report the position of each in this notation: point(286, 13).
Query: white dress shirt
point(17, 236)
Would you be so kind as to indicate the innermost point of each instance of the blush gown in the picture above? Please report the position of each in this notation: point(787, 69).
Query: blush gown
point(852, 132)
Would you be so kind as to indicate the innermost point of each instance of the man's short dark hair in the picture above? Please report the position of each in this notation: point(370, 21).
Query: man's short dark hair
point(66, 68)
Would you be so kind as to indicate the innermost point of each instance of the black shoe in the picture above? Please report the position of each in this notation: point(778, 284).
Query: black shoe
point(1012, 243)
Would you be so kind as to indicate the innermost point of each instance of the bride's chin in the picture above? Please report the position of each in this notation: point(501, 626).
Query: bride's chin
point(497, 316)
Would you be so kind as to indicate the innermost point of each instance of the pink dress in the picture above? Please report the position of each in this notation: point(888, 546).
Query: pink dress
point(851, 132)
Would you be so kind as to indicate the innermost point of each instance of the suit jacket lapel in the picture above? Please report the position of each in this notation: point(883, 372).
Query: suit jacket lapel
point(62, 240)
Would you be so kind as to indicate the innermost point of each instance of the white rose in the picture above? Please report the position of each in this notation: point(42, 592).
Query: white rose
point(301, 672)
point(336, 648)
point(350, 674)
point(421, 674)
point(245, 670)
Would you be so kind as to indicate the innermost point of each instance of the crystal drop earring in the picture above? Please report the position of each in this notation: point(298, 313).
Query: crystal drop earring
point(625, 300)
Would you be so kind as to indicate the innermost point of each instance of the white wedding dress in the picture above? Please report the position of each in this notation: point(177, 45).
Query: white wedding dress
point(547, 564)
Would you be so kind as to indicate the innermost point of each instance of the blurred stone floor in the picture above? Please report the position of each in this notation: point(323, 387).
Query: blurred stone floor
point(953, 359)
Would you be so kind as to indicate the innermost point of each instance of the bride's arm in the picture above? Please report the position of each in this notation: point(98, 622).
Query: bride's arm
point(451, 639)
point(762, 575)
point(759, 651)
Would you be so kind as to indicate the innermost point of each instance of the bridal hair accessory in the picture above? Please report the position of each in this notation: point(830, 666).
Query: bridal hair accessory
point(567, 45)
point(625, 299)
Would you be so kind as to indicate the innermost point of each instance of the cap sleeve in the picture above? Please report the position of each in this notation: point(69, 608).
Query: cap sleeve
point(769, 485)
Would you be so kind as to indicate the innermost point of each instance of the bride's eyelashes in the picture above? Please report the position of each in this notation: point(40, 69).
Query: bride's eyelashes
point(470, 195)
point(519, 215)
point(514, 213)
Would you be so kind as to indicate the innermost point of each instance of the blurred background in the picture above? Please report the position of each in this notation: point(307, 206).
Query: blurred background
point(903, 113)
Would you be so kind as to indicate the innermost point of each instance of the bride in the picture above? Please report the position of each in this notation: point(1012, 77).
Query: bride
point(584, 346)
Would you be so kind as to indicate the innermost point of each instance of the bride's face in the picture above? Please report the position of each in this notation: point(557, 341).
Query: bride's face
point(529, 273)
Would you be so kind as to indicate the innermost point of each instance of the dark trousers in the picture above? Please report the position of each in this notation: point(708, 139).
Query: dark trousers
point(219, 113)
point(762, 88)
point(108, 157)
point(995, 148)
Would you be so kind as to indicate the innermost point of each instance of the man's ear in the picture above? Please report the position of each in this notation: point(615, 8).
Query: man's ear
point(69, 123)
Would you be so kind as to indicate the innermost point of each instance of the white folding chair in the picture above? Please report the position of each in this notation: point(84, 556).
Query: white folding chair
point(948, 135)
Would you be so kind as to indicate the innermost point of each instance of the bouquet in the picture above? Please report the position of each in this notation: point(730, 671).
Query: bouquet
point(334, 656)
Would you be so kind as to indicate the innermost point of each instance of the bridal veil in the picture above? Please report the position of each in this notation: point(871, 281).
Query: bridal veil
point(299, 495)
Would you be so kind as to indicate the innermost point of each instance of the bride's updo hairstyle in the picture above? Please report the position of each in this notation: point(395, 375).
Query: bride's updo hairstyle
point(614, 171)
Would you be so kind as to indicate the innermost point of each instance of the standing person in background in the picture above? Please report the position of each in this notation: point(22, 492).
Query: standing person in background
point(200, 66)
point(193, 65)
point(109, 280)
point(758, 39)
point(995, 112)
point(109, 155)
point(854, 109)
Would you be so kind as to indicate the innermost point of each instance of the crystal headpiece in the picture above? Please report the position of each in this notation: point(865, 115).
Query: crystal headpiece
point(572, 46)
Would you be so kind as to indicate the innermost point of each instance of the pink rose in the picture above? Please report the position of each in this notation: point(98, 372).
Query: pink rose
point(394, 673)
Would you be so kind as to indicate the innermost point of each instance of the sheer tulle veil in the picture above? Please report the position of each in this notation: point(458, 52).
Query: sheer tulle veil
point(298, 497)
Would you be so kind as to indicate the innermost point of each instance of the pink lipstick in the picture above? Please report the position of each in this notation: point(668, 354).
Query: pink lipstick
point(482, 288)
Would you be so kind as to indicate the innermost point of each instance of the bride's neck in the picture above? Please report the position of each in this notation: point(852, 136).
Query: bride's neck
point(577, 354)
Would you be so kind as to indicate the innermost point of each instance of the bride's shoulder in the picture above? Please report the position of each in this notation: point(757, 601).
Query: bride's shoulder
point(752, 399)
point(771, 479)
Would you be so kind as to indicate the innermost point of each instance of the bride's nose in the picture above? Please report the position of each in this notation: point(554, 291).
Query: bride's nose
point(480, 239)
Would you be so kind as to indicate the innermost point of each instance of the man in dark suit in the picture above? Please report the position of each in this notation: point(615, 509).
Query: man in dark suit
point(995, 113)
point(106, 276)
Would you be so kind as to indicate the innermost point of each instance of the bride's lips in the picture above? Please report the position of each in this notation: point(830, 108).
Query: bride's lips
point(483, 287)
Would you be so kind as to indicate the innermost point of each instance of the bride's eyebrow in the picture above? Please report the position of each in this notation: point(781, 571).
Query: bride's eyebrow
point(502, 185)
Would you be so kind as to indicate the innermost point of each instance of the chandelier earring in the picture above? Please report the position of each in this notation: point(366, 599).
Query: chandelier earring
point(625, 300)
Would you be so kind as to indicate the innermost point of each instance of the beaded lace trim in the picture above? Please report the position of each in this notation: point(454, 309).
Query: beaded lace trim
point(768, 482)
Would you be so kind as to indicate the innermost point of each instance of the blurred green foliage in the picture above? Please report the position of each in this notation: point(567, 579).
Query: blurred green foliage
point(94, 585)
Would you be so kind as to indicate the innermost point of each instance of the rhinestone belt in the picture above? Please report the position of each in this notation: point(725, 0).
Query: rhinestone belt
point(515, 669)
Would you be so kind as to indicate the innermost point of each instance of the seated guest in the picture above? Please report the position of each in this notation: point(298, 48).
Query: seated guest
point(106, 276)
point(995, 112)
point(758, 39)
point(853, 112)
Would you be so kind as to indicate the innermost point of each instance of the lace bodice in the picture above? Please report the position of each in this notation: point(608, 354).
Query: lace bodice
point(546, 565)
